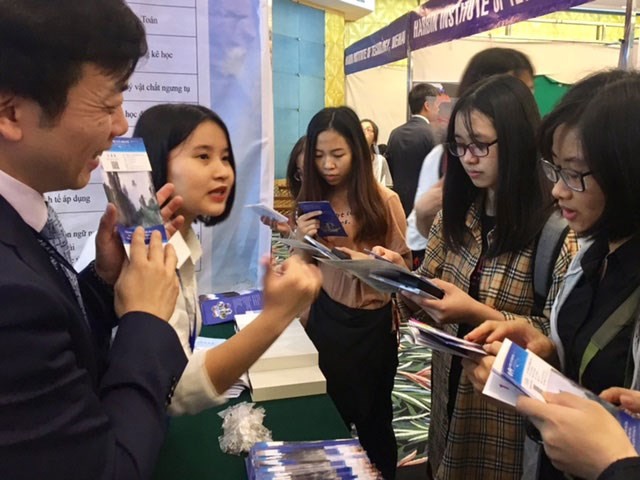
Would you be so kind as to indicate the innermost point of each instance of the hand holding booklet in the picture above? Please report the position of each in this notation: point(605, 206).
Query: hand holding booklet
point(330, 225)
point(517, 371)
point(126, 174)
point(443, 342)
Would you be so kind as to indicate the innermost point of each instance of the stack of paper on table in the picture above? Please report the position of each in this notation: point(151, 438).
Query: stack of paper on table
point(517, 371)
point(289, 368)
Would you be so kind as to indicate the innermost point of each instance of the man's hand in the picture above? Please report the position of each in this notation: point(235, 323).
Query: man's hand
point(627, 399)
point(148, 281)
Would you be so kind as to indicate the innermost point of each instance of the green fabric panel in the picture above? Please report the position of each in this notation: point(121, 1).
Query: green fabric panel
point(548, 92)
point(191, 449)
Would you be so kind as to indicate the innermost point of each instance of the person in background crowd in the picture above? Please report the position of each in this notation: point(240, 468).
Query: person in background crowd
point(589, 142)
point(189, 146)
point(294, 182)
point(481, 253)
point(428, 197)
point(350, 323)
point(380, 166)
point(409, 143)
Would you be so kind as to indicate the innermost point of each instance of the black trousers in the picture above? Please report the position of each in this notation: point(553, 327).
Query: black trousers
point(358, 355)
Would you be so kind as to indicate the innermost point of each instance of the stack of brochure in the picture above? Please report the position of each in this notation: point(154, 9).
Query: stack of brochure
point(223, 307)
point(517, 371)
point(328, 459)
point(288, 368)
point(205, 343)
point(436, 339)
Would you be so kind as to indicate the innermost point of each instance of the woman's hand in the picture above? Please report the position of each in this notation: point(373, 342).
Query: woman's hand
point(627, 399)
point(580, 437)
point(354, 254)
point(308, 224)
point(518, 331)
point(393, 257)
point(283, 228)
point(455, 307)
point(478, 370)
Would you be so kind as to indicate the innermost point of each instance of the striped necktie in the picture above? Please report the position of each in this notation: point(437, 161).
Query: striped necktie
point(53, 232)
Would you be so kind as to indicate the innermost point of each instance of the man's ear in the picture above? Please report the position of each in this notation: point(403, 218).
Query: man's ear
point(10, 128)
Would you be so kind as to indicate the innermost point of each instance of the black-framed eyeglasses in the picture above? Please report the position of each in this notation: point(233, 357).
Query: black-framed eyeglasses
point(572, 179)
point(477, 149)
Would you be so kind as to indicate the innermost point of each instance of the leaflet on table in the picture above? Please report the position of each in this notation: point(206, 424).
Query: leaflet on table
point(126, 174)
point(265, 210)
point(517, 371)
point(330, 225)
point(439, 340)
point(223, 307)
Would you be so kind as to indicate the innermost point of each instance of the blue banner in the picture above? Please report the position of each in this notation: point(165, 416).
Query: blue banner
point(385, 46)
point(439, 21)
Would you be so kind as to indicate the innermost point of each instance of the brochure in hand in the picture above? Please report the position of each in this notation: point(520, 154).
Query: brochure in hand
point(128, 185)
point(517, 371)
point(265, 210)
point(330, 459)
point(314, 247)
point(330, 225)
point(387, 277)
point(223, 307)
point(436, 339)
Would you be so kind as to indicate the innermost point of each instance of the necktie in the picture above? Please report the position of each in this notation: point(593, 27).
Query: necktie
point(53, 232)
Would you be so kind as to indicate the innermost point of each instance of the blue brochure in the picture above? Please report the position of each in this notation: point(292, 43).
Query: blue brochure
point(330, 225)
point(223, 307)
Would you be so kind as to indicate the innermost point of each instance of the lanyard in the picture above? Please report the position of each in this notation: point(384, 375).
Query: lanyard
point(192, 315)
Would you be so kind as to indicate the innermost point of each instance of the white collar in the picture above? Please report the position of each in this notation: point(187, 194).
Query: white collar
point(29, 204)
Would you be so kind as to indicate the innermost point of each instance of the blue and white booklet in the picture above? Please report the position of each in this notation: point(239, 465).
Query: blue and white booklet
point(330, 225)
point(517, 371)
point(126, 173)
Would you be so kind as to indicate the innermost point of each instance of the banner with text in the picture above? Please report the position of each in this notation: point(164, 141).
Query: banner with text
point(439, 21)
point(385, 46)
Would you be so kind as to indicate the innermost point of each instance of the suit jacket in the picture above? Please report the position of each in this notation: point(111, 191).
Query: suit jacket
point(407, 147)
point(70, 406)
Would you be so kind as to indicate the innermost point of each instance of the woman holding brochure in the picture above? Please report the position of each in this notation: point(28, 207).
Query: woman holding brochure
point(350, 323)
point(590, 141)
point(189, 146)
point(480, 251)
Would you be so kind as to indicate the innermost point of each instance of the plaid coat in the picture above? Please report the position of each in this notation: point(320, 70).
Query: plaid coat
point(482, 441)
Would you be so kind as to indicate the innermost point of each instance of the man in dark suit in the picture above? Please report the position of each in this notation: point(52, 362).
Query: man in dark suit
point(410, 143)
point(73, 403)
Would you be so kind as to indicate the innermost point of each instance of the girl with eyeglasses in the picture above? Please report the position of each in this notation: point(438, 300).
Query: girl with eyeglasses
point(480, 251)
point(590, 142)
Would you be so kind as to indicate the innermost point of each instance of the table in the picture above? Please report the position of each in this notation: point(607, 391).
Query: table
point(191, 450)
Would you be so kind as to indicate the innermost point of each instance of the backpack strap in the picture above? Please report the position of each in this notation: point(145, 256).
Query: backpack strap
point(547, 250)
point(620, 318)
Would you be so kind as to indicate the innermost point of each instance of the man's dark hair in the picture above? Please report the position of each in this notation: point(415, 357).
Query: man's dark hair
point(44, 44)
point(493, 61)
point(164, 127)
point(523, 197)
point(610, 134)
point(419, 94)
